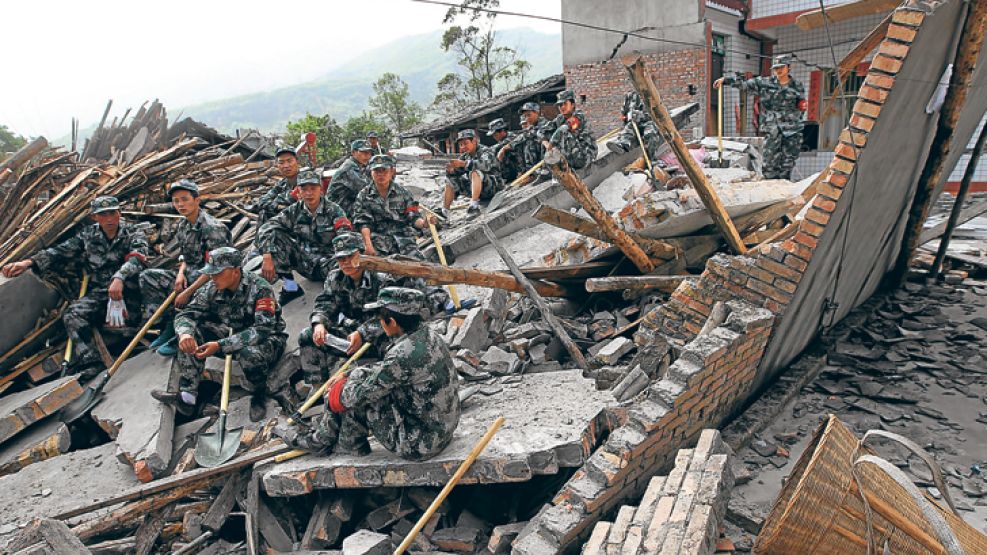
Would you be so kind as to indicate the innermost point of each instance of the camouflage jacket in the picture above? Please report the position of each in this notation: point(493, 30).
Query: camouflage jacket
point(583, 133)
point(313, 232)
point(276, 199)
point(250, 310)
point(483, 159)
point(196, 240)
point(780, 105)
point(347, 183)
point(103, 259)
point(394, 215)
point(634, 110)
point(417, 382)
point(527, 143)
point(342, 300)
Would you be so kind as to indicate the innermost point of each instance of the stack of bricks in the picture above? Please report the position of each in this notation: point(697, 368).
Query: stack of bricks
point(605, 83)
point(679, 514)
point(715, 373)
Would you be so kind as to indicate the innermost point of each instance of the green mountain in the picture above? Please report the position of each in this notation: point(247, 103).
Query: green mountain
point(344, 91)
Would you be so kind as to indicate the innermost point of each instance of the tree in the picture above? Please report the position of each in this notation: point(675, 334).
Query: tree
point(450, 96)
point(10, 141)
point(391, 100)
point(357, 127)
point(330, 139)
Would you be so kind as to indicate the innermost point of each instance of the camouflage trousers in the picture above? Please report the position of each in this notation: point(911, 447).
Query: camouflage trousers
point(463, 185)
point(781, 151)
point(511, 166)
point(387, 244)
point(318, 363)
point(649, 133)
point(255, 360)
point(156, 284)
point(82, 314)
point(579, 151)
point(289, 255)
point(532, 152)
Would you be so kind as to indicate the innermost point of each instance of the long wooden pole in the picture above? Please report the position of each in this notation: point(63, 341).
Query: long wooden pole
point(442, 275)
point(532, 293)
point(964, 65)
point(645, 86)
point(24, 155)
point(637, 283)
point(560, 169)
point(437, 502)
point(954, 214)
point(578, 224)
point(442, 258)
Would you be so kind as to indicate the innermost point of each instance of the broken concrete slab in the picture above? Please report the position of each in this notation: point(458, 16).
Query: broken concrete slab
point(615, 349)
point(20, 410)
point(22, 299)
point(473, 333)
point(40, 442)
point(553, 421)
point(143, 435)
point(365, 542)
point(499, 362)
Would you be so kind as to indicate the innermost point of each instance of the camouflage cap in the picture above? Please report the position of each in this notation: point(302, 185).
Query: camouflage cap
point(382, 161)
point(466, 134)
point(371, 134)
point(361, 145)
point(566, 95)
point(283, 149)
point(104, 204)
point(345, 244)
point(782, 60)
point(184, 185)
point(495, 126)
point(402, 300)
point(221, 259)
point(530, 107)
point(308, 177)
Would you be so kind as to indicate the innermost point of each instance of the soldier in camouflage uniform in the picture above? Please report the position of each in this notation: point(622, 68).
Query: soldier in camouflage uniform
point(300, 238)
point(780, 121)
point(476, 173)
point(113, 253)
point(352, 177)
point(409, 401)
point(510, 160)
point(386, 214)
point(634, 111)
point(196, 234)
point(278, 197)
point(234, 313)
point(570, 133)
point(374, 143)
point(527, 142)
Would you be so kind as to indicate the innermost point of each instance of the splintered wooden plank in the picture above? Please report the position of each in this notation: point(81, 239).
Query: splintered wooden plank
point(20, 410)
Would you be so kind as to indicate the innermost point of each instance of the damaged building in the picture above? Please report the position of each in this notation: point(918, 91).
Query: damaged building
point(664, 347)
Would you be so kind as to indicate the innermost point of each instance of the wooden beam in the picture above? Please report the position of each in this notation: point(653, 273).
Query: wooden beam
point(24, 155)
point(570, 271)
point(620, 283)
point(589, 228)
point(560, 169)
point(529, 288)
point(954, 214)
point(971, 41)
point(453, 275)
point(645, 86)
point(855, 57)
point(936, 231)
point(814, 19)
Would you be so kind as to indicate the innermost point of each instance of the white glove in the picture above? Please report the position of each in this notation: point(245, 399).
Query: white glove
point(116, 314)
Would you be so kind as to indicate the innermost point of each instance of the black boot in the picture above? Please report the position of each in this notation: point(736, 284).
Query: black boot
point(258, 406)
point(175, 400)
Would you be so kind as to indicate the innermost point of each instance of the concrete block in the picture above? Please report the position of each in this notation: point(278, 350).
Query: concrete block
point(40, 442)
point(614, 350)
point(365, 542)
point(22, 300)
point(633, 383)
point(500, 362)
point(502, 536)
point(143, 437)
point(458, 539)
point(473, 333)
point(20, 410)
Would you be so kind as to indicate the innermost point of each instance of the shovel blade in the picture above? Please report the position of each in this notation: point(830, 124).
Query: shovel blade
point(215, 448)
point(90, 397)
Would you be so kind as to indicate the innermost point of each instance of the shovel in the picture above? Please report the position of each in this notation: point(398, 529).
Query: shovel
point(94, 391)
point(67, 358)
point(644, 151)
point(442, 259)
point(719, 162)
point(215, 448)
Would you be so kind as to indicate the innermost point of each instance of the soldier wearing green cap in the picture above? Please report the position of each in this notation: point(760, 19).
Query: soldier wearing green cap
point(351, 177)
point(234, 313)
point(633, 113)
point(476, 173)
point(278, 197)
point(373, 141)
point(570, 133)
point(526, 144)
point(386, 214)
point(512, 160)
point(197, 233)
point(300, 238)
point(780, 120)
point(409, 400)
point(112, 252)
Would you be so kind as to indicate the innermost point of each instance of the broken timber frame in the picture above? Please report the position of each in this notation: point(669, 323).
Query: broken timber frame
point(560, 169)
point(582, 226)
point(970, 43)
point(645, 86)
point(635, 283)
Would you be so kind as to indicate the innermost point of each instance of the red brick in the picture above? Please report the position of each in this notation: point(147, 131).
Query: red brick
point(785, 285)
point(780, 270)
point(806, 239)
point(823, 204)
point(872, 94)
point(886, 64)
point(902, 33)
point(836, 179)
point(893, 49)
point(846, 151)
point(816, 215)
point(813, 229)
point(830, 192)
point(880, 81)
point(853, 137)
point(861, 122)
point(841, 165)
point(913, 18)
point(865, 108)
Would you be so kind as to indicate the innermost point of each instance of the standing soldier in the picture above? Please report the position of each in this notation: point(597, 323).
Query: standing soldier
point(409, 401)
point(476, 173)
point(374, 143)
point(113, 253)
point(197, 234)
point(278, 197)
point(528, 141)
point(235, 313)
point(386, 214)
point(570, 133)
point(780, 121)
point(511, 161)
point(633, 113)
point(351, 177)
point(300, 238)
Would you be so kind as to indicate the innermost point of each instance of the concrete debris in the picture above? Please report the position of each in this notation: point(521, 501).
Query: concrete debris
point(20, 410)
point(614, 350)
point(499, 362)
point(41, 441)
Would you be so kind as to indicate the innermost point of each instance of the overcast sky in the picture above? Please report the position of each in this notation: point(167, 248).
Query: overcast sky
point(66, 58)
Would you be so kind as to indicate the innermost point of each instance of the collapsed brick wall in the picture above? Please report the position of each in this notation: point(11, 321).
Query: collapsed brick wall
point(605, 83)
point(716, 372)
point(679, 513)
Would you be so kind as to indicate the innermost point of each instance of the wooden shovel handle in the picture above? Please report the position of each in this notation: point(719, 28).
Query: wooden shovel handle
point(143, 331)
point(314, 397)
point(67, 357)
